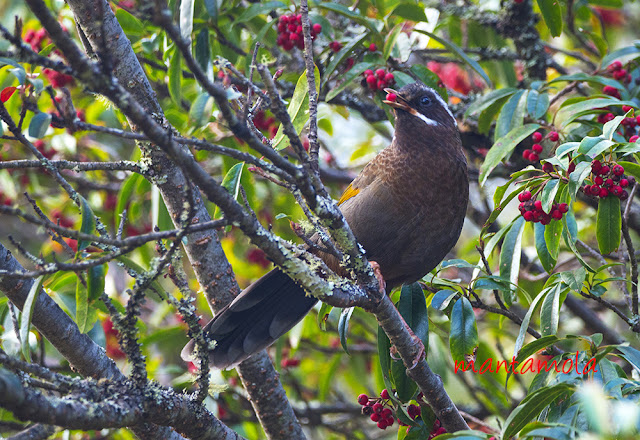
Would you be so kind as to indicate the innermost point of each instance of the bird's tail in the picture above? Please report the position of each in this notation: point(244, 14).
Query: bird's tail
point(255, 319)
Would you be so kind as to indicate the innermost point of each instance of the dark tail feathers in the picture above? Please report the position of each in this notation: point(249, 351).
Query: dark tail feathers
point(262, 313)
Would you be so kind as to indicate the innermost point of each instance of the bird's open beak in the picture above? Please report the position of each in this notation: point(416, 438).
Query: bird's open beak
point(400, 102)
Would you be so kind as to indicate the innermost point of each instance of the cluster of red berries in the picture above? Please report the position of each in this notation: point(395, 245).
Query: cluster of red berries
point(616, 70)
point(43, 149)
point(532, 211)
point(290, 31)
point(35, 38)
point(436, 430)
point(533, 154)
point(608, 180)
point(287, 362)
point(379, 79)
point(265, 124)
point(379, 409)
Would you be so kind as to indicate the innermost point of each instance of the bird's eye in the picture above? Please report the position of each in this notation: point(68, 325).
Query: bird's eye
point(425, 100)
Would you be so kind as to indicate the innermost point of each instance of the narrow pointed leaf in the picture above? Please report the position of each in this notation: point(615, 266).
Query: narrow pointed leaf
point(463, 334)
point(343, 327)
point(608, 224)
point(27, 313)
point(552, 15)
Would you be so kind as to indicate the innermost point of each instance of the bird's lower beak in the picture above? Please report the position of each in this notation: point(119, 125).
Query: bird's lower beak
point(399, 102)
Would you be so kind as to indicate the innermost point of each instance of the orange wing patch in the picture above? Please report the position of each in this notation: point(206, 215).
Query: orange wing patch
point(348, 193)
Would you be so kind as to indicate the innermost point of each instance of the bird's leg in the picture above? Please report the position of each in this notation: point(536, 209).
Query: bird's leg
point(378, 274)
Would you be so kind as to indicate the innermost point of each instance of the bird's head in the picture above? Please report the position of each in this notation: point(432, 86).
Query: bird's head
point(417, 102)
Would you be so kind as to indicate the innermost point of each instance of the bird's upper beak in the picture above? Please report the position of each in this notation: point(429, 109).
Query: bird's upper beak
point(400, 101)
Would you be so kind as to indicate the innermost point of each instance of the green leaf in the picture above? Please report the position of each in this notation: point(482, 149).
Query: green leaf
point(186, 19)
point(88, 224)
point(608, 224)
point(533, 347)
point(631, 355)
point(525, 321)
point(258, 9)
point(298, 109)
point(537, 104)
point(531, 406)
point(347, 79)
point(129, 23)
point(460, 53)
point(95, 281)
point(202, 50)
point(488, 100)
point(127, 188)
point(346, 12)
point(441, 299)
point(39, 125)
point(582, 171)
point(384, 355)
point(569, 234)
point(431, 79)
point(175, 77)
point(413, 308)
point(622, 52)
point(343, 327)
point(631, 168)
point(198, 111)
point(503, 147)
point(212, 8)
point(512, 114)
point(552, 14)
point(549, 312)
point(27, 314)
point(231, 183)
point(573, 111)
point(82, 306)
point(610, 127)
point(390, 40)
point(323, 314)
point(585, 77)
point(463, 334)
point(549, 194)
point(409, 11)
point(593, 146)
point(546, 259)
point(338, 58)
point(552, 235)
point(510, 254)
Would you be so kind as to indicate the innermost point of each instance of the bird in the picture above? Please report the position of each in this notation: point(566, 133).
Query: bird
point(406, 208)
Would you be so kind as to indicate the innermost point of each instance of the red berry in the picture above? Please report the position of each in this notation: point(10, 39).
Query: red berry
point(533, 157)
point(413, 411)
point(598, 180)
point(537, 136)
point(547, 167)
point(528, 216)
point(377, 407)
point(373, 47)
point(294, 37)
point(317, 28)
point(634, 138)
point(389, 78)
point(638, 120)
point(556, 214)
point(624, 195)
point(392, 97)
point(616, 190)
point(372, 81)
point(374, 417)
point(604, 170)
point(609, 90)
point(537, 148)
point(546, 219)
point(620, 74)
point(390, 421)
point(367, 72)
point(384, 394)
point(363, 399)
point(618, 170)
point(563, 208)
point(624, 183)
point(526, 154)
point(382, 424)
point(553, 136)
point(594, 190)
point(596, 165)
point(603, 193)
point(380, 73)
point(381, 84)
point(524, 196)
point(616, 65)
point(386, 413)
point(538, 205)
point(626, 108)
point(608, 183)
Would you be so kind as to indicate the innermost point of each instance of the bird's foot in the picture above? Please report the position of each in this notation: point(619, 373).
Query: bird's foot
point(378, 274)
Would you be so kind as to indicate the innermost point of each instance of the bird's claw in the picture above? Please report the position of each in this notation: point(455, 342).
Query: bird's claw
point(378, 274)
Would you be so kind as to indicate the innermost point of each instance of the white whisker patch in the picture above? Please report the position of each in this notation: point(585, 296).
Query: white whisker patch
point(444, 104)
point(428, 121)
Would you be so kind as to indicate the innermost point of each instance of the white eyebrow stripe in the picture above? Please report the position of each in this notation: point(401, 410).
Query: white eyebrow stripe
point(444, 104)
